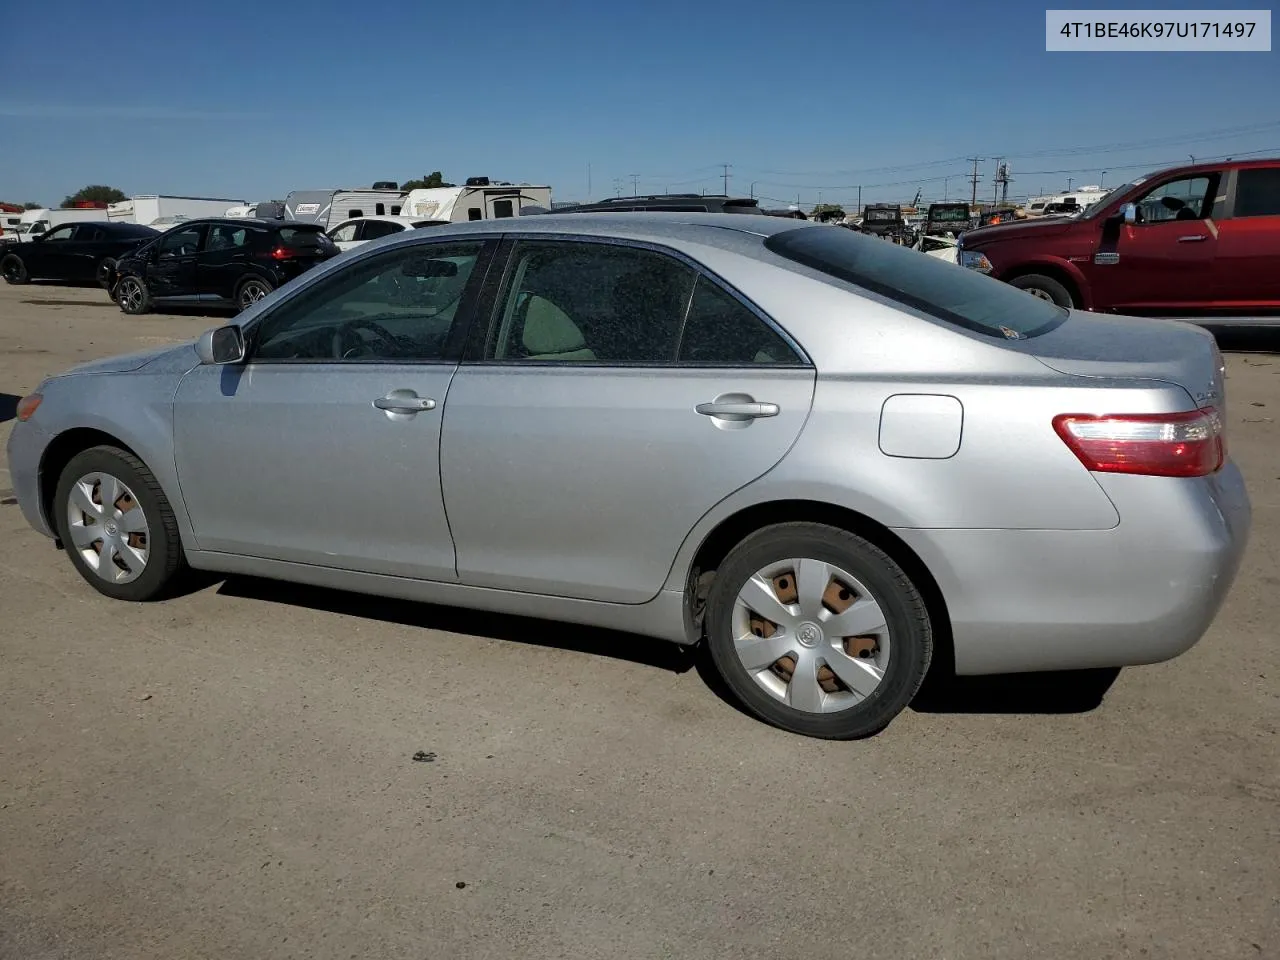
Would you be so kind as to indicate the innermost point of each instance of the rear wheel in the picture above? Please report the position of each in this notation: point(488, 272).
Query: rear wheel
point(131, 294)
point(1044, 288)
point(13, 269)
point(251, 291)
point(117, 525)
point(818, 631)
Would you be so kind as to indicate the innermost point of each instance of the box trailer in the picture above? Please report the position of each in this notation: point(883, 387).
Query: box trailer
point(479, 199)
point(330, 207)
point(33, 223)
point(147, 208)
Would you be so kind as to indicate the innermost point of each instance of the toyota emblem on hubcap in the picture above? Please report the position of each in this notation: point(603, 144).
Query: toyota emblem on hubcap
point(809, 634)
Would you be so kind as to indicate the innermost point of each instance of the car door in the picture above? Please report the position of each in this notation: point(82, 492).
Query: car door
point(322, 448)
point(220, 262)
point(620, 394)
point(1247, 268)
point(80, 254)
point(48, 257)
point(1163, 263)
point(172, 273)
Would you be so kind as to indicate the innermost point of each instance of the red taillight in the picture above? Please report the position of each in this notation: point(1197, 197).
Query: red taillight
point(1189, 444)
point(282, 253)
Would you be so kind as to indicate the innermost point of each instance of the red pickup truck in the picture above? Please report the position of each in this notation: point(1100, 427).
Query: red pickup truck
point(1198, 241)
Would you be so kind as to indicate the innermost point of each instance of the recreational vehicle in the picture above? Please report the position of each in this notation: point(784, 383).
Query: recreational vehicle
point(330, 207)
point(146, 209)
point(479, 199)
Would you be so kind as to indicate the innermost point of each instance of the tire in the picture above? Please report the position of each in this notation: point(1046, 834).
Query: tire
point(13, 269)
point(161, 545)
point(250, 291)
point(897, 654)
point(106, 269)
point(132, 296)
point(1046, 288)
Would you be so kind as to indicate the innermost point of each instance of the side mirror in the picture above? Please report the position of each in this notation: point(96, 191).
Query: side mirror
point(221, 346)
point(1129, 213)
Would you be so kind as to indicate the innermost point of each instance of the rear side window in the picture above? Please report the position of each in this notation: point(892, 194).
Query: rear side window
point(941, 290)
point(721, 329)
point(1258, 193)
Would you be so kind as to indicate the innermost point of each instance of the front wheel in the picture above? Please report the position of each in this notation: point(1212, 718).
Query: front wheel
point(251, 291)
point(1044, 288)
point(132, 296)
point(818, 631)
point(117, 525)
point(13, 269)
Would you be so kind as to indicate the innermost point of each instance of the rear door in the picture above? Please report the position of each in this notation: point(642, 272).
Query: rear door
point(618, 395)
point(1247, 269)
point(172, 274)
point(220, 263)
point(1164, 263)
point(81, 253)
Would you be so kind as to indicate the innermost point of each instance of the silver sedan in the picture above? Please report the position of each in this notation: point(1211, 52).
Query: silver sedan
point(831, 459)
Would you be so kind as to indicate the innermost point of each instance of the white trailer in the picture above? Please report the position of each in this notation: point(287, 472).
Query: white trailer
point(479, 199)
point(331, 207)
point(36, 222)
point(147, 208)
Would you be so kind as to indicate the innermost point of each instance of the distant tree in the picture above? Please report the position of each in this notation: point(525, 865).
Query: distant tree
point(433, 179)
point(32, 206)
point(95, 193)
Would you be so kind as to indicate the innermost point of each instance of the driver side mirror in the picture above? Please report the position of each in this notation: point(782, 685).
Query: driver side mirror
point(221, 346)
point(1129, 213)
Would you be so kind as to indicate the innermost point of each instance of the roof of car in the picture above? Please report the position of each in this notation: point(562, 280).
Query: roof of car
point(251, 221)
point(389, 218)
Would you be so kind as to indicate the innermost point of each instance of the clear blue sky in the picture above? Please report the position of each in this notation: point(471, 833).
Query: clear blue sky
point(252, 100)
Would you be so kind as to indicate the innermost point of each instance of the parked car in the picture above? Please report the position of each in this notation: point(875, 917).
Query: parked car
point(351, 233)
point(883, 220)
point(826, 456)
point(1196, 241)
point(225, 261)
point(73, 252)
point(669, 203)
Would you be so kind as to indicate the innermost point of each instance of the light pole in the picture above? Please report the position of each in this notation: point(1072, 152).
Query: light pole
point(1103, 180)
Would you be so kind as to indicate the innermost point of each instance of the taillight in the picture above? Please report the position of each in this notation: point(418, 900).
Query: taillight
point(282, 253)
point(27, 406)
point(1189, 444)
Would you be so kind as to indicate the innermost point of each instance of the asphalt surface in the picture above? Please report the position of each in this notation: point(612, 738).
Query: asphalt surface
point(230, 773)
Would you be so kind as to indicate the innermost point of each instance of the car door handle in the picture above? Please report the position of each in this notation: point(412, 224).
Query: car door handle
point(1194, 238)
point(737, 409)
point(403, 404)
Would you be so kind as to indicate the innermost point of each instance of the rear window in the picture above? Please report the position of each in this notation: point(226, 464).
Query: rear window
point(301, 236)
point(941, 290)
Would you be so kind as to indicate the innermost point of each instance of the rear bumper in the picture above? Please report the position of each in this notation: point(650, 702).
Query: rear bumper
point(1142, 592)
point(26, 446)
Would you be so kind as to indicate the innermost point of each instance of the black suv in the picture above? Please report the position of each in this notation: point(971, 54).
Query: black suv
point(218, 262)
point(673, 202)
point(73, 252)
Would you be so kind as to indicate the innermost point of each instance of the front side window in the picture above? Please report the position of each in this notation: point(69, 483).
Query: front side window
point(346, 232)
point(720, 329)
point(182, 242)
point(935, 288)
point(399, 306)
point(1184, 199)
point(1258, 192)
point(591, 303)
point(63, 232)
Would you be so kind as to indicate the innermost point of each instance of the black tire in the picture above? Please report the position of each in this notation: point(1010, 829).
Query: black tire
point(13, 269)
point(165, 560)
point(1046, 288)
point(106, 270)
point(132, 296)
point(250, 291)
point(906, 616)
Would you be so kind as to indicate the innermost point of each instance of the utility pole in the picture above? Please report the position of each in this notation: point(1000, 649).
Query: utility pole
point(995, 184)
point(859, 199)
point(973, 199)
point(1005, 179)
point(635, 184)
point(588, 181)
point(726, 177)
point(1069, 180)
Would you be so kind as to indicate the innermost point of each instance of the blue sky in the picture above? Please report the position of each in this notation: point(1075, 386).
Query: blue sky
point(252, 100)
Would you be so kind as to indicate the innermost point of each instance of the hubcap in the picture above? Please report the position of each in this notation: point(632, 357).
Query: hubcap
point(252, 293)
point(107, 526)
point(811, 635)
point(1040, 294)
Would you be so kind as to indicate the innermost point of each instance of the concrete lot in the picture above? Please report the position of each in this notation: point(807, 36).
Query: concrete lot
point(229, 774)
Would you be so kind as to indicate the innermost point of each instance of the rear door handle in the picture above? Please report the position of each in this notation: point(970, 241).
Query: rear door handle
point(1194, 238)
point(737, 410)
point(404, 404)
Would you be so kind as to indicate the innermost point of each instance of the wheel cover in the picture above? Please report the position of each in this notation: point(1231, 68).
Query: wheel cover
point(108, 527)
point(12, 268)
point(130, 294)
point(252, 292)
point(1040, 294)
point(811, 635)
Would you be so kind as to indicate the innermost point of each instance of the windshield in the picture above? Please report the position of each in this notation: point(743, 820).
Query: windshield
point(882, 215)
point(941, 290)
point(956, 213)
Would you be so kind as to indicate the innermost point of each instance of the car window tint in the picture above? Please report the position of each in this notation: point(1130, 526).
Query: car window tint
point(1258, 193)
point(396, 307)
point(722, 329)
point(346, 232)
point(180, 243)
point(592, 303)
point(380, 228)
point(1182, 199)
point(226, 237)
point(60, 233)
point(935, 288)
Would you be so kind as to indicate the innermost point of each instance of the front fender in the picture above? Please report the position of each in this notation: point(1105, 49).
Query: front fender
point(1069, 267)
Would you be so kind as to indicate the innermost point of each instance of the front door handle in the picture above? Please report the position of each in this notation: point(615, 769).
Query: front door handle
point(737, 409)
point(399, 402)
point(1194, 238)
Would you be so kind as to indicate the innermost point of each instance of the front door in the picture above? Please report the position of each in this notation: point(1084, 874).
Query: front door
point(50, 256)
point(172, 274)
point(599, 424)
point(1163, 263)
point(323, 447)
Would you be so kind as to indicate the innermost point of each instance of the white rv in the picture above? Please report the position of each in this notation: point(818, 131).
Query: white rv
point(479, 199)
point(146, 209)
point(1060, 203)
point(331, 207)
point(36, 222)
